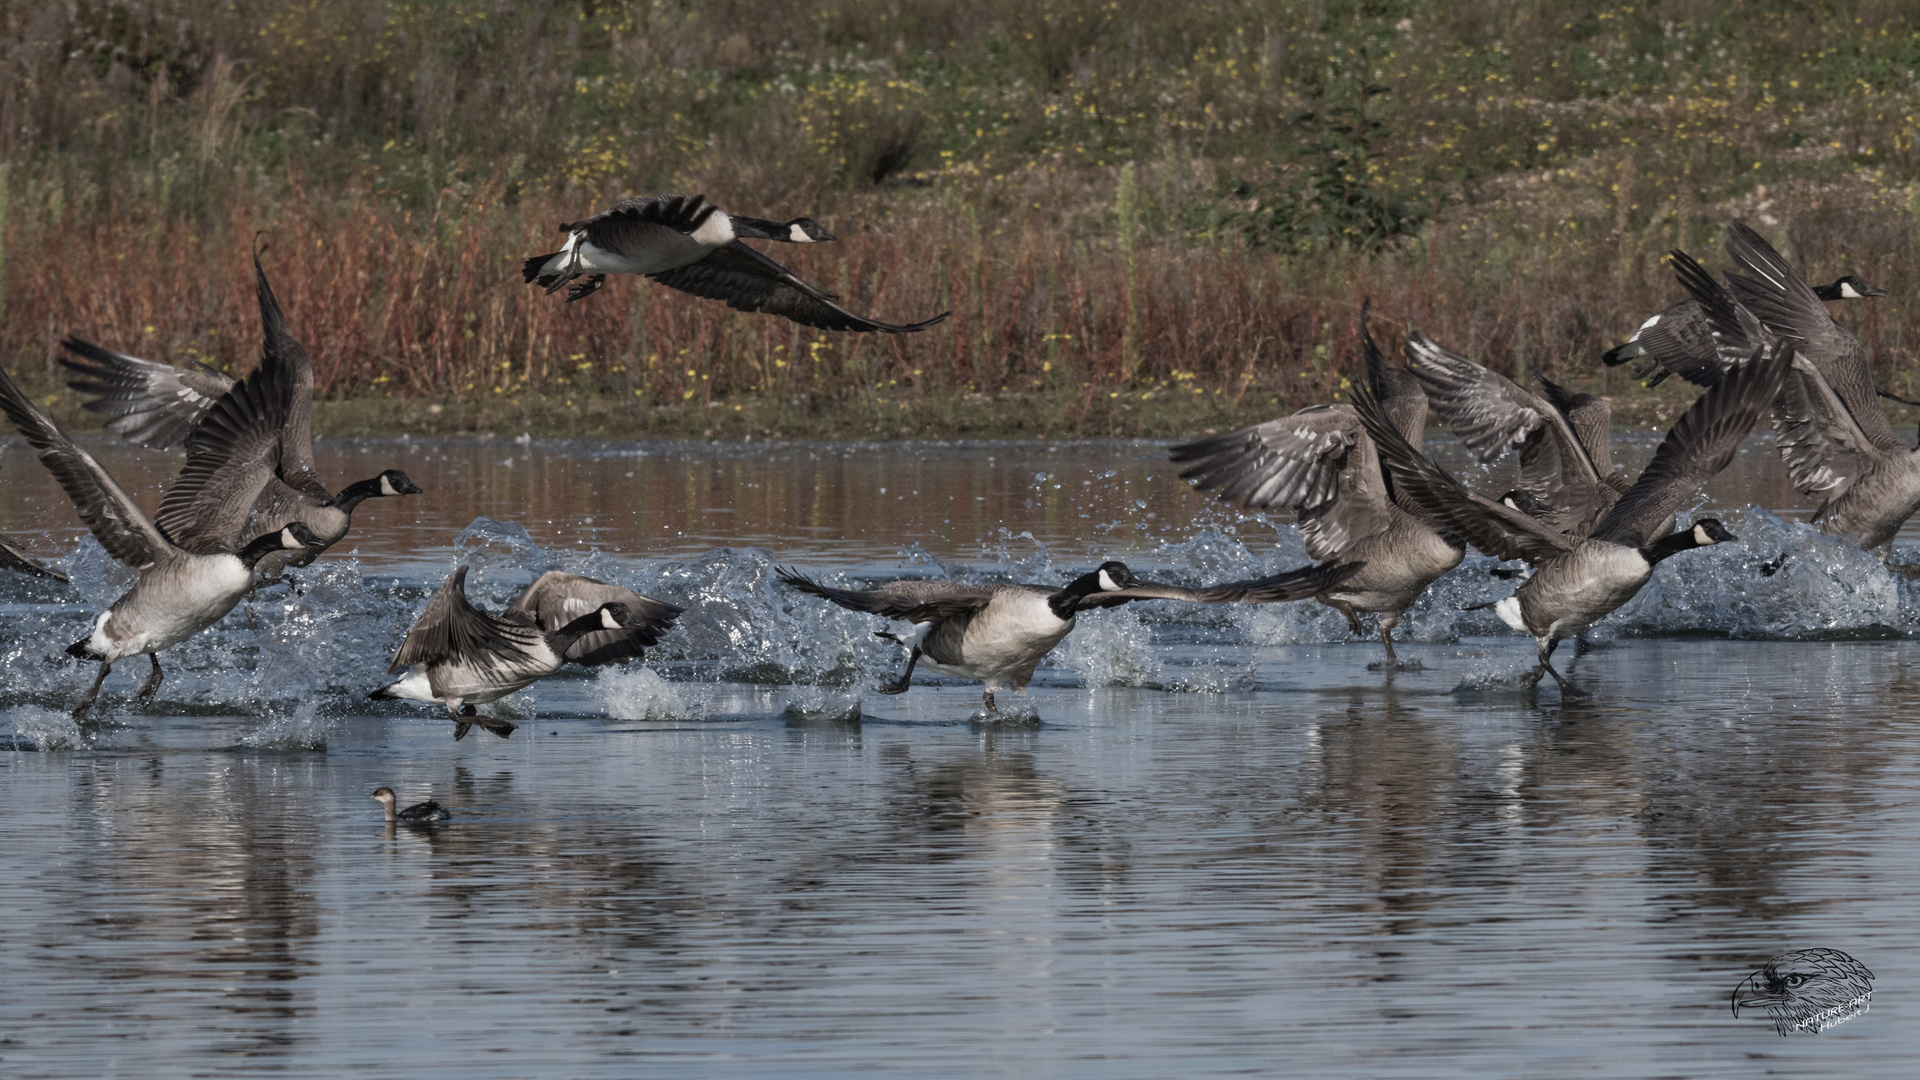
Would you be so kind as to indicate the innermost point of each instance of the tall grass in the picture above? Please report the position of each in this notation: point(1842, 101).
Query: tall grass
point(1060, 174)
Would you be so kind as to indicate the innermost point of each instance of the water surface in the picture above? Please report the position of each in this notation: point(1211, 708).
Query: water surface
point(1213, 841)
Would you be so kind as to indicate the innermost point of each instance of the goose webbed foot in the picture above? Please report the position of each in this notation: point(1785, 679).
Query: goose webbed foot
point(899, 686)
point(93, 693)
point(1546, 665)
point(1393, 663)
point(1909, 569)
point(152, 685)
point(991, 707)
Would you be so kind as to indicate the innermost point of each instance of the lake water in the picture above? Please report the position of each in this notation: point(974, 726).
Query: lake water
point(1210, 842)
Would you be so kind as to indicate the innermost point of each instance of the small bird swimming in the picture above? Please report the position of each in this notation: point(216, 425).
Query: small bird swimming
point(1807, 990)
point(687, 243)
point(998, 634)
point(417, 814)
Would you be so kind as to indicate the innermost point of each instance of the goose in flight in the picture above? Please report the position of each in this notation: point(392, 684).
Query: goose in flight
point(161, 406)
point(998, 634)
point(460, 656)
point(192, 565)
point(15, 558)
point(1832, 434)
point(687, 243)
point(1321, 463)
point(1679, 340)
point(1578, 580)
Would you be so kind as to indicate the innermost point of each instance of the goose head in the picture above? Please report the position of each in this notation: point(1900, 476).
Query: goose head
point(395, 482)
point(1850, 287)
point(296, 535)
point(805, 230)
point(614, 615)
point(1710, 531)
point(1114, 576)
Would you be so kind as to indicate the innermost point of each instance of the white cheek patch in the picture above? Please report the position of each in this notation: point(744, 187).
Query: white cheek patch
point(1847, 291)
point(607, 620)
point(288, 540)
point(798, 235)
point(386, 486)
point(1700, 536)
point(1106, 583)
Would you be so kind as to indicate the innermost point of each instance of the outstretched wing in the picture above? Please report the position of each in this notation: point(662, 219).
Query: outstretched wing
point(1698, 446)
point(557, 598)
point(1318, 462)
point(1781, 299)
point(451, 629)
point(230, 458)
point(154, 404)
point(913, 601)
point(1273, 589)
point(282, 353)
point(114, 519)
point(1494, 529)
point(750, 281)
point(14, 557)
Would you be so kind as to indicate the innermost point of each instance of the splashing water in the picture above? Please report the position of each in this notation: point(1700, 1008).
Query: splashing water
point(35, 727)
point(639, 693)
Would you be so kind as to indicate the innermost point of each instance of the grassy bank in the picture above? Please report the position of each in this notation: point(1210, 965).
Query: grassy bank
point(1142, 226)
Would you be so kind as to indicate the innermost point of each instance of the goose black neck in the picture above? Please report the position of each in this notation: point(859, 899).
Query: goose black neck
point(259, 548)
point(754, 228)
point(562, 639)
point(356, 493)
point(1067, 601)
point(1671, 544)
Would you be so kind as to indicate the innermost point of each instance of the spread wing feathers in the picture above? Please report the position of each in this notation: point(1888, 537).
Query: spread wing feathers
point(1699, 445)
point(453, 630)
point(283, 353)
point(557, 598)
point(1824, 450)
point(112, 516)
point(1491, 413)
point(1273, 589)
point(913, 601)
point(230, 458)
point(1491, 527)
point(14, 557)
point(1293, 462)
point(627, 225)
point(1734, 330)
point(750, 281)
point(1678, 341)
point(1781, 299)
point(1396, 388)
point(154, 404)
point(1590, 417)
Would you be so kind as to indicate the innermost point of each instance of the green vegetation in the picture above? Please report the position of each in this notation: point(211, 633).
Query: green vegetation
point(1114, 202)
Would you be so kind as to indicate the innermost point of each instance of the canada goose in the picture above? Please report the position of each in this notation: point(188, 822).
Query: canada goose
point(1321, 463)
point(160, 406)
point(192, 566)
point(460, 656)
point(997, 634)
point(1579, 579)
point(1679, 341)
point(692, 245)
point(1865, 483)
point(417, 814)
point(14, 557)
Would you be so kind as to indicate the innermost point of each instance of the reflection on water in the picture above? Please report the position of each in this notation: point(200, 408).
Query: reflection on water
point(1227, 848)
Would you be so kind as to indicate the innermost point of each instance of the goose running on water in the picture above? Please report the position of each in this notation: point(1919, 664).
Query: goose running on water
point(192, 566)
point(998, 634)
point(460, 656)
point(689, 244)
point(1321, 463)
point(1578, 580)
